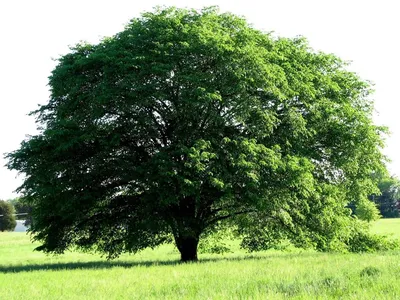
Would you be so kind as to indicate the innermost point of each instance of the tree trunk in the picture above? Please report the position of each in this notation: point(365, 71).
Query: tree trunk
point(187, 246)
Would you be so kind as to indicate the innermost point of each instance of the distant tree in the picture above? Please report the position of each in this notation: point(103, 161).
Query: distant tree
point(367, 211)
point(389, 198)
point(188, 122)
point(22, 210)
point(7, 218)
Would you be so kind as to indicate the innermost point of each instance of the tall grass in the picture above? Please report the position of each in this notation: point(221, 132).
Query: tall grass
point(157, 274)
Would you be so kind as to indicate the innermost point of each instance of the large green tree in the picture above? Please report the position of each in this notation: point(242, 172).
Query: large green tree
point(7, 218)
point(191, 121)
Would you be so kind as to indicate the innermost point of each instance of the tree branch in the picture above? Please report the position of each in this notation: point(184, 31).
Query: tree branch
point(229, 216)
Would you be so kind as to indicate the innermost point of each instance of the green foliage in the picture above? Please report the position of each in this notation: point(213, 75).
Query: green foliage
point(217, 242)
point(367, 211)
point(388, 200)
point(7, 218)
point(362, 240)
point(189, 121)
point(22, 209)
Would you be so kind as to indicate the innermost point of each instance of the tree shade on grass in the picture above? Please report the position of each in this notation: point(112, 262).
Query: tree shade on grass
point(188, 122)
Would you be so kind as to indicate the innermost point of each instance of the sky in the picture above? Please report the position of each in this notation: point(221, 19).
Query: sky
point(35, 33)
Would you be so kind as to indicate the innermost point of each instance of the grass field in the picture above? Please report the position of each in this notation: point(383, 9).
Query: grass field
point(157, 274)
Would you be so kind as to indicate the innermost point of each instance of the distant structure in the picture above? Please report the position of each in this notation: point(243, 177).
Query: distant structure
point(20, 226)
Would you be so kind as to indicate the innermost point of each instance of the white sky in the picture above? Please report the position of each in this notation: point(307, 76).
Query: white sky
point(34, 32)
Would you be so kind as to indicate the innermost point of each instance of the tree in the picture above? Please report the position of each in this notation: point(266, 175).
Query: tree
point(389, 197)
point(188, 122)
point(367, 210)
point(7, 219)
point(22, 209)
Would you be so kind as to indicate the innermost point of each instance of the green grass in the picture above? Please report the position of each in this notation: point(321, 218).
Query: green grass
point(389, 227)
point(157, 274)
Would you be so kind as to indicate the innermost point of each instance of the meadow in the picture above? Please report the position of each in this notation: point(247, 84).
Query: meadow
point(157, 274)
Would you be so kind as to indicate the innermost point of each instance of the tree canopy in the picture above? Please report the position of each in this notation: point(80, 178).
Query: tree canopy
point(188, 122)
point(367, 210)
point(7, 218)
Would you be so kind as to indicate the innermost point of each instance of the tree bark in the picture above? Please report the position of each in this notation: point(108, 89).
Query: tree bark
point(187, 246)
